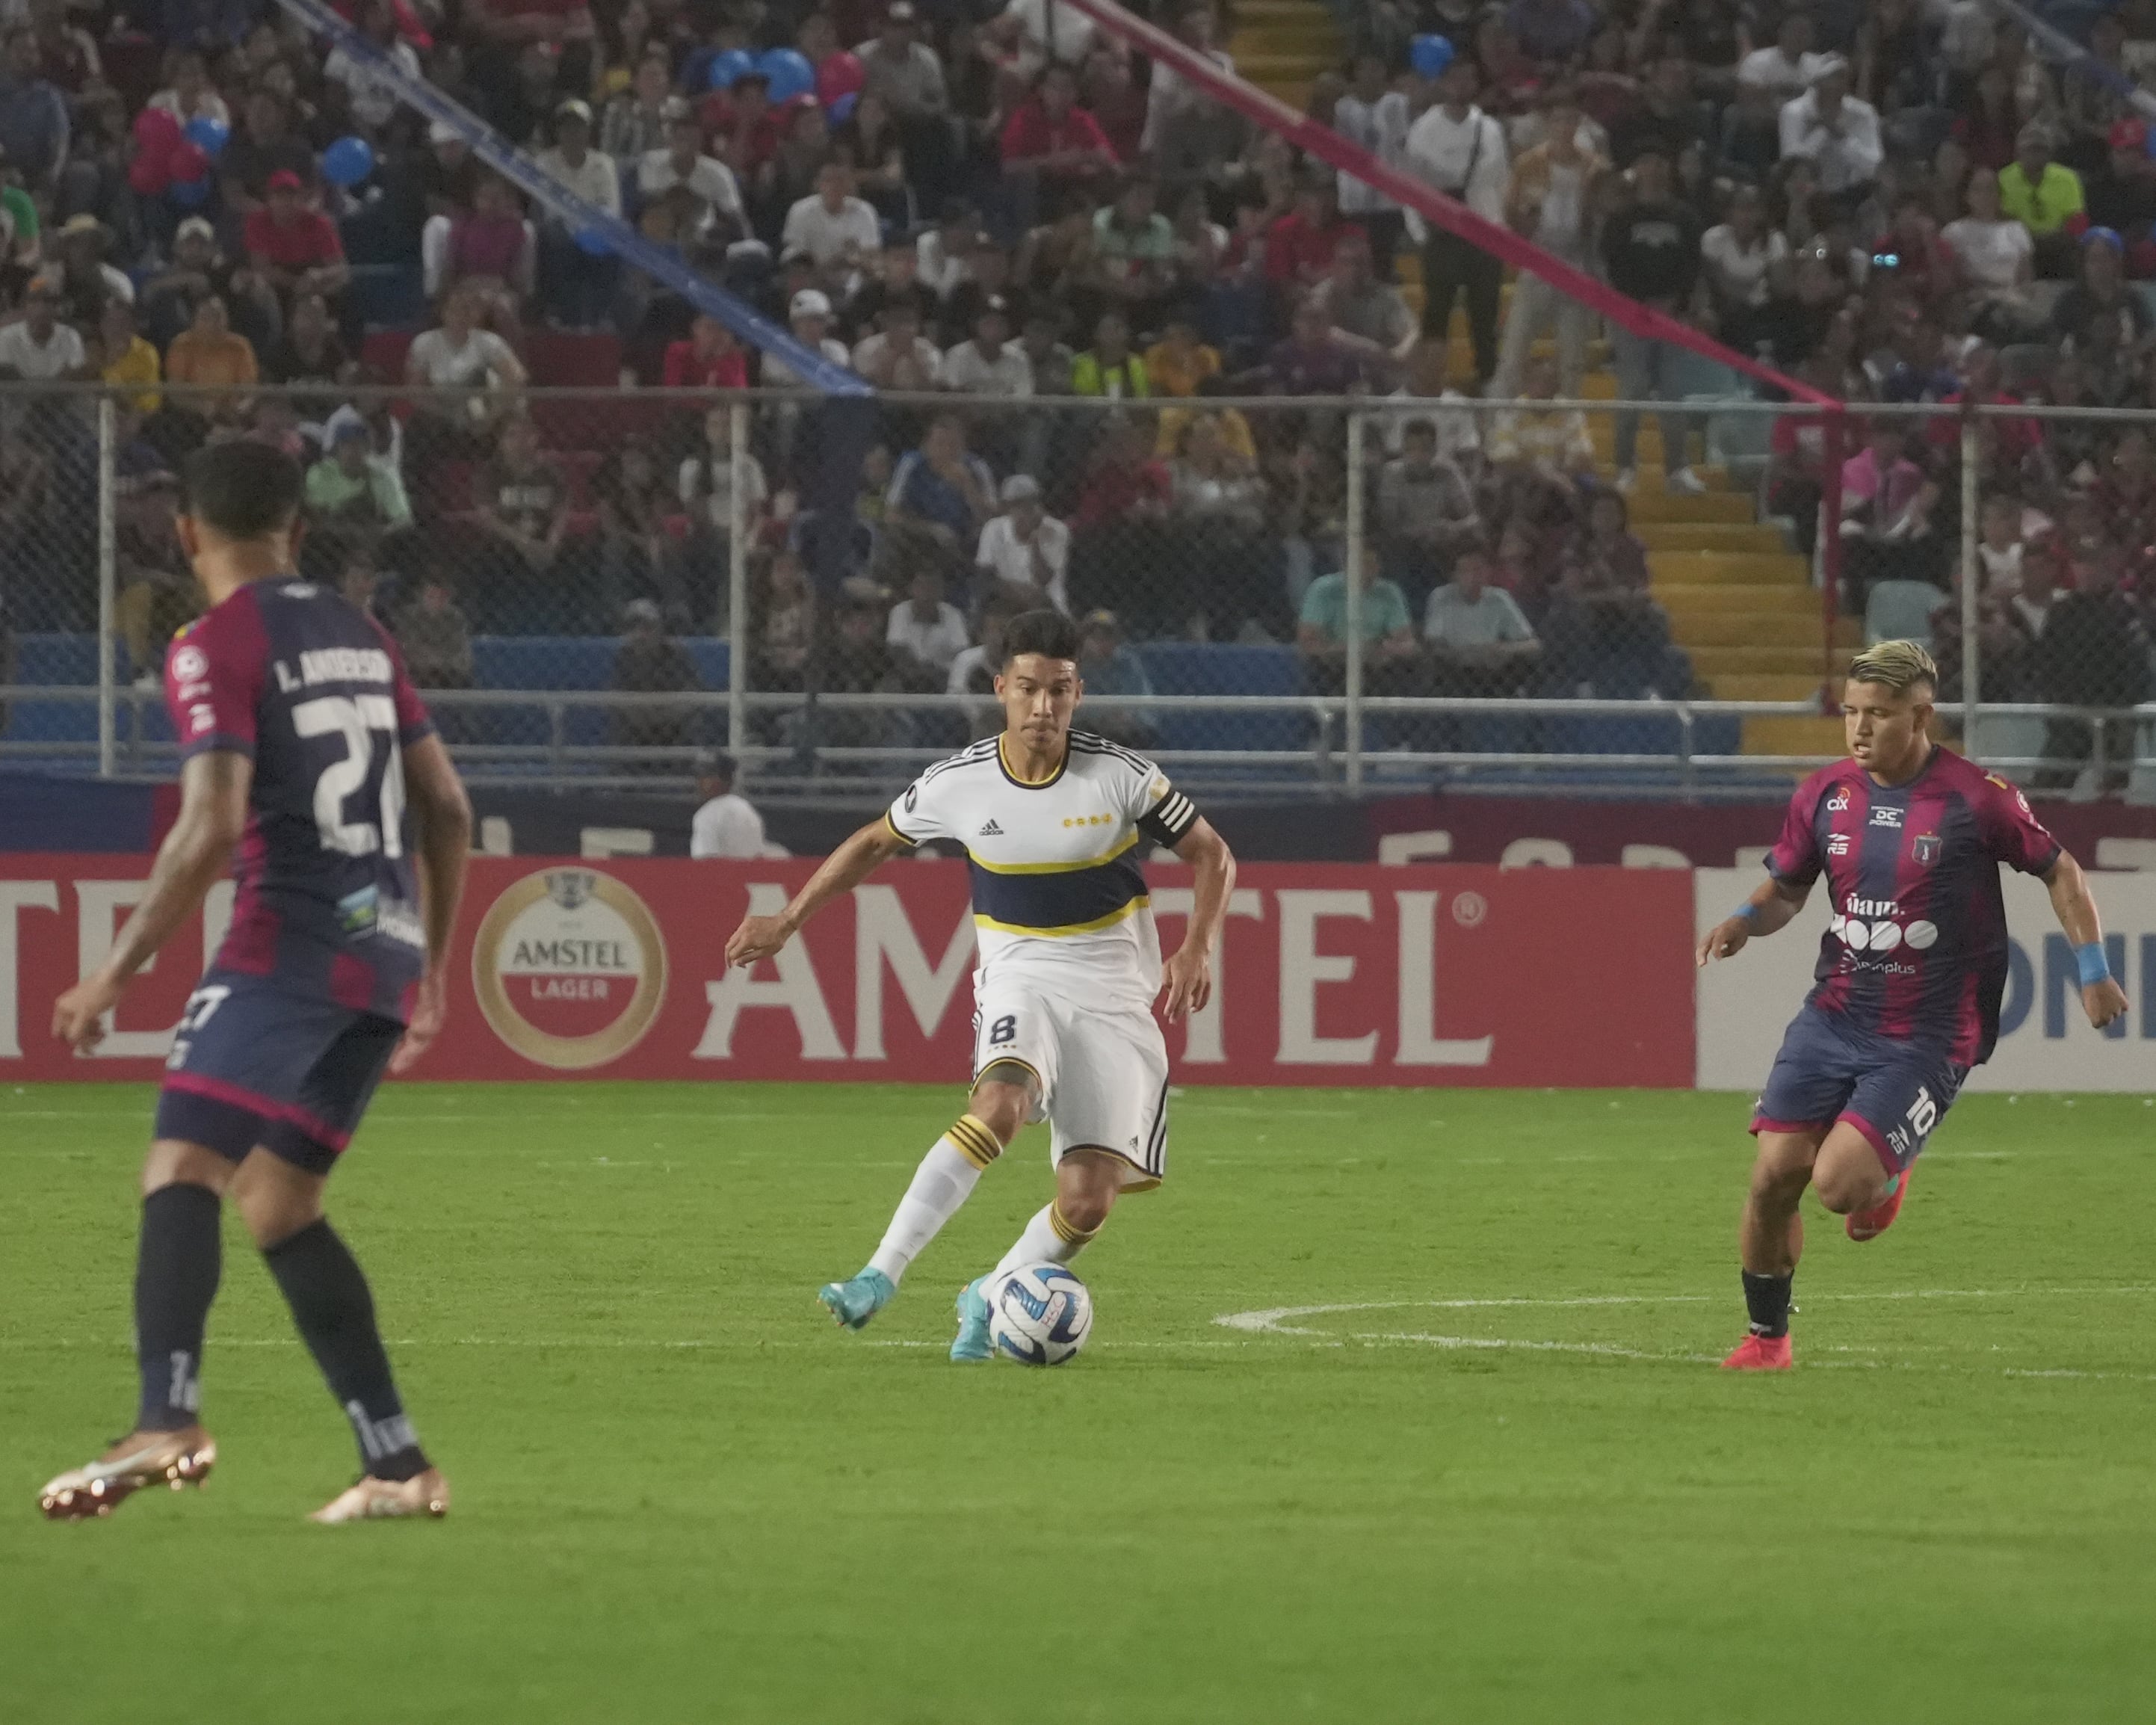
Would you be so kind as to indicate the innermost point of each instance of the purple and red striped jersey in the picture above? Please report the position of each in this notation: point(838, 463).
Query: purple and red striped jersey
point(314, 692)
point(1916, 950)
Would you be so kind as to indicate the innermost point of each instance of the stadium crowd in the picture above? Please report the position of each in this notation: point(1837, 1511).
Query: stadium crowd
point(1899, 202)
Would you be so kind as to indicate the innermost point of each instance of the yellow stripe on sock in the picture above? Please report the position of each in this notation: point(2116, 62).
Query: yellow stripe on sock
point(1064, 1231)
point(974, 1140)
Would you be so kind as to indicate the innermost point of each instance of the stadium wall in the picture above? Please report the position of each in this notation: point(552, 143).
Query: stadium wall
point(1331, 974)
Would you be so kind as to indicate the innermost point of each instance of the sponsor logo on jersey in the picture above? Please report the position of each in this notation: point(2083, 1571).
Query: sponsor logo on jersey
point(1886, 816)
point(992, 831)
point(570, 968)
point(1838, 802)
point(190, 663)
point(1838, 845)
point(1925, 848)
point(1882, 934)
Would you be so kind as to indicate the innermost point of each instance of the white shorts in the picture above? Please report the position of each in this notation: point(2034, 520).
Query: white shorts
point(1102, 1071)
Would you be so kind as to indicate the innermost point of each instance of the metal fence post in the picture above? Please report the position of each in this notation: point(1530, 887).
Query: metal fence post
point(1351, 686)
point(108, 593)
point(1972, 578)
point(737, 577)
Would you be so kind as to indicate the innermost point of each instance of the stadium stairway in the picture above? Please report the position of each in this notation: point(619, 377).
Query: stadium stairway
point(1282, 45)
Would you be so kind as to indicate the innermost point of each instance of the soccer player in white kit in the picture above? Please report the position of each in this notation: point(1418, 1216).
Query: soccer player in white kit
point(1052, 820)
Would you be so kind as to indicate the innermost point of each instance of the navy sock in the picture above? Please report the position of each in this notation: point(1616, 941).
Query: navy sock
point(323, 1285)
point(176, 1264)
point(1767, 1298)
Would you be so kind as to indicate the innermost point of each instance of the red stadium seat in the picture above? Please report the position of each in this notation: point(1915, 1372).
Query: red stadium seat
point(561, 359)
point(384, 350)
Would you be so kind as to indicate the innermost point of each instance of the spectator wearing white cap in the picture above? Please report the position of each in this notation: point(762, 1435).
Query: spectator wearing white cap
point(1837, 133)
point(1025, 547)
point(577, 286)
point(809, 314)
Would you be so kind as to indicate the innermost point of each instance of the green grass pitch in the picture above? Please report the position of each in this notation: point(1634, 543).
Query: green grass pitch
point(1501, 1480)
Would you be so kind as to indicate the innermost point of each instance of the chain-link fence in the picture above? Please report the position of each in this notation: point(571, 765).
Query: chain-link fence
point(593, 585)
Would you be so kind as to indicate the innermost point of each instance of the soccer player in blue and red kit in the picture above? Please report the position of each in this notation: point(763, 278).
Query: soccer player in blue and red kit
point(1911, 970)
point(303, 748)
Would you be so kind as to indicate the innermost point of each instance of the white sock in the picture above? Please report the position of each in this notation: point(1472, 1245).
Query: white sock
point(942, 1182)
point(1048, 1240)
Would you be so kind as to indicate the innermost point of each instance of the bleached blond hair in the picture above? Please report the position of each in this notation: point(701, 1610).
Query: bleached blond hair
point(1899, 666)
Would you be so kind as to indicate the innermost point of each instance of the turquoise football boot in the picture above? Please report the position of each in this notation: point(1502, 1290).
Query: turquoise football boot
point(854, 1302)
point(972, 1340)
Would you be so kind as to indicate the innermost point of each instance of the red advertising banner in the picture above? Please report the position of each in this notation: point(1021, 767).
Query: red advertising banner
point(1346, 973)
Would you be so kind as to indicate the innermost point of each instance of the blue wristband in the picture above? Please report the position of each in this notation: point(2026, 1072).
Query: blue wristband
point(2095, 967)
point(1746, 912)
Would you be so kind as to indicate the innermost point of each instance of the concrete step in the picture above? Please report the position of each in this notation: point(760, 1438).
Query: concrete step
point(1673, 537)
point(1267, 68)
point(1792, 656)
point(1745, 573)
point(1314, 41)
point(1770, 609)
point(1794, 736)
point(1660, 506)
point(1743, 629)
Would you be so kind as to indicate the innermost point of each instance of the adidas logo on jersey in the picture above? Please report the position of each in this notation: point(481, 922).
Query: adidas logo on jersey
point(991, 831)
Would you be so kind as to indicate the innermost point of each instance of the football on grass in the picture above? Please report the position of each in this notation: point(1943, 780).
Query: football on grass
point(1038, 1314)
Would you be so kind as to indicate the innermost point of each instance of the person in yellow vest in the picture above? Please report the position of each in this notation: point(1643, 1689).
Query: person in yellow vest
point(126, 360)
point(2045, 197)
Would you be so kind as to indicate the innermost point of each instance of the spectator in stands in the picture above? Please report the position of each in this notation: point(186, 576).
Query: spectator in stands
point(897, 276)
point(1050, 145)
point(1375, 117)
point(634, 121)
point(492, 255)
point(1460, 150)
point(1025, 550)
point(1300, 245)
point(871, 141)
point(1650, 248)
point(787, 620)
point(1787, 66)
point(38, 348)
point(351, 486)
point(1392, 661)
point(1053, 365)
point(725, 827)
point(1316, 359)
point(1838, 133)
point(371, 97)
point(990, 363)
point(435, 637)
point(1355, 303)
point(839, 231)
point(2101, 311)
point(311, 352)
point(211, 356)
point(1749, 143)
point(471, 374)
point(809, 314)
point(266, 144)
point(925, 633)
point(168, 300)
point(78, 273)
point(2119, 193)
point(1109, 367)
point(1669, 118)
point(1605, 634)
point(126, 361)
point(578, 287)
point(705, 484)
point(1426, 393)
point(898, 356)
point(988, 277)
point(521, 506)
point(1110, 667)
point(1426, 512)
point(1745, 275)
point(649, 661)
point(1479, 642)
point(707, 358)
point(905, 73)
point(741, 127)
point(1223, 559)
point(34, 115)
point(1547, 201)
point(804, 146)
point(189, 95)
point(1996, 260)
point(1886, 501)
point(1134, 251)
point(2093, 651)
point(943, 484)
point(637, 556)
point(293, 246)
point(719, 212)
point(2045, 197)
point(1540, 456)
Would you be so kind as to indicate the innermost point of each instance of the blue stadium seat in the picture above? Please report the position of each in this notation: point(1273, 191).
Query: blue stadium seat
point(387, 296)
point(1200, 668)
point(56, 660)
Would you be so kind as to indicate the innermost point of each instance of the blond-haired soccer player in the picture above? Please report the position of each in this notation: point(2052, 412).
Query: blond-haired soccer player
point(1051, 820)
point(1911, 970)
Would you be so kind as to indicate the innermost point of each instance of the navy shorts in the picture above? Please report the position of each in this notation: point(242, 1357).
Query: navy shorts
point(1893, 1092)
point(255, 1065)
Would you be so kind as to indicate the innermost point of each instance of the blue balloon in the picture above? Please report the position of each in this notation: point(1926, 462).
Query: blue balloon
point(208, 134)
point(789, 72)
point(730, 65)
point(842, 110)
point(189, 194)
point(1430, 55)
point(593, 243)
point(348, 162)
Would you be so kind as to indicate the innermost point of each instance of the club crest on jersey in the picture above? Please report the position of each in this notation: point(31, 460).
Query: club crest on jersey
point(1925, 848)
point(1887, 817)
point(1838, 802)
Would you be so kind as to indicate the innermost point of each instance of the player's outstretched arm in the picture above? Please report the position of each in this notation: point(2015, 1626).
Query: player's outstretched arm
point(2101, 997)
point(213, 788)
point(844, 870)
point(442, 835)
point(1766, 912)
point(1186, 977)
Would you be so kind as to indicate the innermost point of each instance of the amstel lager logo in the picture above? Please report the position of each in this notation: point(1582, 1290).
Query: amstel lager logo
point(569, 967)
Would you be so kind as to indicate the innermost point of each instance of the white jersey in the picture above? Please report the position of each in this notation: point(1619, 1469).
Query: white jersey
point(1058, 895)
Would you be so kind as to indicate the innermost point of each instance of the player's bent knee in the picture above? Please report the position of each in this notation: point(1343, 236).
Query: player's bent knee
point(173, 1162)
point(1001, 1105)
point(1849, 1176)
point(275, 1199)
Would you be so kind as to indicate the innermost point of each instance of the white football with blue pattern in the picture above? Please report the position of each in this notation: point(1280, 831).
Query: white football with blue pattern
point(1038, 1314)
